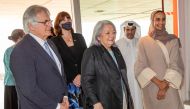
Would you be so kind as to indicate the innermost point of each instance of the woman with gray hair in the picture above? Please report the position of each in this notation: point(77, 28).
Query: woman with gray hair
point(104, 79)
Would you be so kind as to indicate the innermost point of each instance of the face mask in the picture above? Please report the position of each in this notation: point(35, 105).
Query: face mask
point(67, 26)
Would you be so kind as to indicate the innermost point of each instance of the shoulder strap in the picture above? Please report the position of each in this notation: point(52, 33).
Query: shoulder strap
point(164, 50)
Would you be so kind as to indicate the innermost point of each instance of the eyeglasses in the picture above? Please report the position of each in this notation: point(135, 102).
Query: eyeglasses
point(46, 22)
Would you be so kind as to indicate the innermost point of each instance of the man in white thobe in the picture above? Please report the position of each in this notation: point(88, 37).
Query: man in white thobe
point(130, 34)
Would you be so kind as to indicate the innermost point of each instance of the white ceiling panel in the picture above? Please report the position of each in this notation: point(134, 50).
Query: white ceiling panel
point(90, 9)
point(94, 10)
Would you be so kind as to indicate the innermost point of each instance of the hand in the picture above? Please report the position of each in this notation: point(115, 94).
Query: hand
point(76, 81)
point(163, 84)
point(161, 94)
point(65, 103)
point(98, 106)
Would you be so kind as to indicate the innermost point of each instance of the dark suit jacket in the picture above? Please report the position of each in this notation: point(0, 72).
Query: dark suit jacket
point(39, 83)
point(71, 56)
point(101, 78)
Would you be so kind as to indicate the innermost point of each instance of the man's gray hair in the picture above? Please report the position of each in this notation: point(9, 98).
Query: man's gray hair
point(98, 30)
point(29, 16)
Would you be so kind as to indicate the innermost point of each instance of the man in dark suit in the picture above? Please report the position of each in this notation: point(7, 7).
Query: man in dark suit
point(37, 66)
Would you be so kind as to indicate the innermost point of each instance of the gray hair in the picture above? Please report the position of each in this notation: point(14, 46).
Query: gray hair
point(29, 16)
point(98, 30)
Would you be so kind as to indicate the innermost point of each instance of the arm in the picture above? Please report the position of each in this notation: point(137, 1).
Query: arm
point(88, 76)
point(23, 67)
point(143, 72)
point(6, 61)
point(163, 87)
point(77, 79)
point(174, 72)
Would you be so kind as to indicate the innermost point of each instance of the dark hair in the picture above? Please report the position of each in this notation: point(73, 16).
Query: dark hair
point(60, 16)
point(16, 34)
